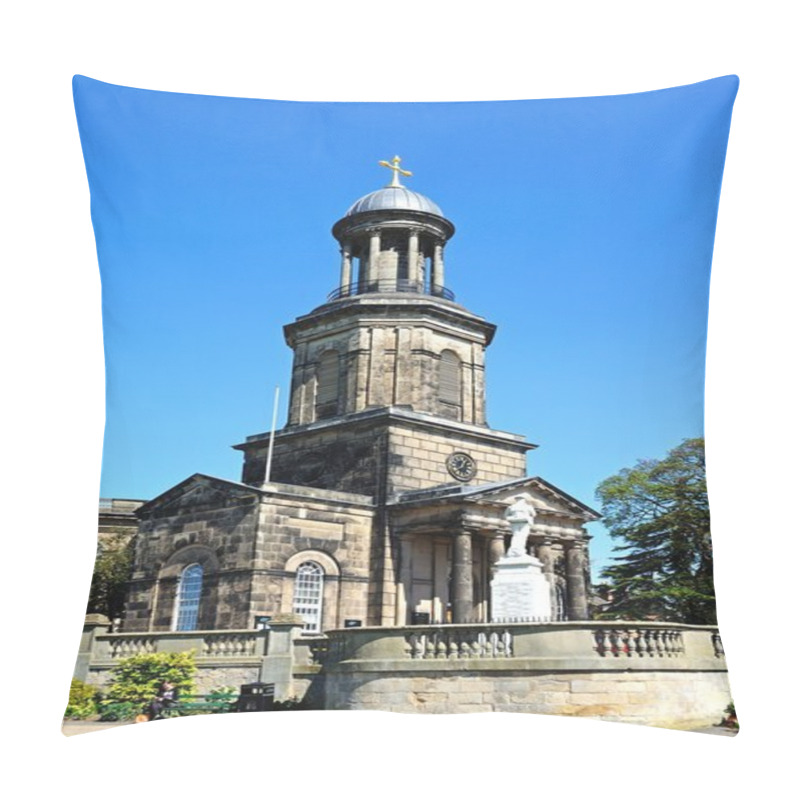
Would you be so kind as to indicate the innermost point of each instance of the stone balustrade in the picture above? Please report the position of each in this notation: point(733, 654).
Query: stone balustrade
point(461, 642)
point(581, 644)
point(205, 644)
point(638, 641)
point(648, 672)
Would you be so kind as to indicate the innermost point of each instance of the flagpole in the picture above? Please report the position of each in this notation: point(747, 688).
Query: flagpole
point(272, 436)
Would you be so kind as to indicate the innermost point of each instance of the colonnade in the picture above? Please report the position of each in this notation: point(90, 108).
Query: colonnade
point(461, 590)
point(369, 267)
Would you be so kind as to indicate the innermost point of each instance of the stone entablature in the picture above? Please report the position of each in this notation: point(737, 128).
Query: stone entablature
point(118, 516)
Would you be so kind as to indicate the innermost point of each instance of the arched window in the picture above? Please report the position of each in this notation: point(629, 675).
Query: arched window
point(187, 603)
point(327, 401)
point(307, 600)
point(450, 384)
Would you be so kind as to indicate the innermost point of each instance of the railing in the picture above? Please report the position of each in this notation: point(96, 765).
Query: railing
point(127, 645)
point(448, 643)
point(230, 645)
point(609, 645)
point(206, 644)
point(400, 286)
point(630, 642)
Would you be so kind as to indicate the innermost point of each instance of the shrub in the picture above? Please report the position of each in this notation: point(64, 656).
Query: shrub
point(111, 711)
point(225, 697)
point(136, 679)
point(82, 700)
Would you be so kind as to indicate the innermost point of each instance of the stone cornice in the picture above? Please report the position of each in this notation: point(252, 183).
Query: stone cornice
point(383, 308)
point(398, 416)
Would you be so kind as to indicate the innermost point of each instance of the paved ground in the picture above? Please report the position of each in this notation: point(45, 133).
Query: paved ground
point(718, 730)
point(75, 727)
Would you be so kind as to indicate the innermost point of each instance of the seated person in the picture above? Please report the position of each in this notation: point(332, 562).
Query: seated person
point(167, 697)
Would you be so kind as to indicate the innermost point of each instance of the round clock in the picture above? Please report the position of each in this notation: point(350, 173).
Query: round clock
point(461, 466)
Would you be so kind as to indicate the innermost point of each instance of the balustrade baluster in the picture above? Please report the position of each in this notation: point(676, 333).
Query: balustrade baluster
point(452, 646)
point(476, 646)
point(430, 645)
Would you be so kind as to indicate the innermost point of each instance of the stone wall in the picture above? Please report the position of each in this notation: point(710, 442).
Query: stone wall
point(383, 451)
point(249, 543)
point(649, 673)
point(667, 699)
point(417, 456)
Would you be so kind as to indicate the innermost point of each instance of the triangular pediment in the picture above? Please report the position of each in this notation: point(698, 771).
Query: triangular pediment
point(542, 495)
point(197, 493)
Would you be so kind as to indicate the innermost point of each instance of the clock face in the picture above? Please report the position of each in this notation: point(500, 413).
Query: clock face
point(461, 466)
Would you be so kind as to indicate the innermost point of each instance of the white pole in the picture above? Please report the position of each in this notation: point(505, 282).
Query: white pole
point(272, 436)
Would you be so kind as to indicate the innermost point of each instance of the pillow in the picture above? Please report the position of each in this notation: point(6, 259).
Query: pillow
point(391, 545)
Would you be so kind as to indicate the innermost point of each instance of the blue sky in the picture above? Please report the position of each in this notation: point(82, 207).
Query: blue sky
point(584, 230)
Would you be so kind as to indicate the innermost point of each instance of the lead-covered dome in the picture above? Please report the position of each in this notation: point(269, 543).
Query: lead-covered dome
point(394, 198)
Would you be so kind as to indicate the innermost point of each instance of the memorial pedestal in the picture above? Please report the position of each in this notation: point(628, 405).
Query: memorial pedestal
point(520, 591)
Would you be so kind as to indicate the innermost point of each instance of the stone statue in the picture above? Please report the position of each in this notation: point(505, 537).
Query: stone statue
point(520, 515)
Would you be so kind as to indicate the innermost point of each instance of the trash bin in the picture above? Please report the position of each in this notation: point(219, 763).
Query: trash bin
point(256, 697)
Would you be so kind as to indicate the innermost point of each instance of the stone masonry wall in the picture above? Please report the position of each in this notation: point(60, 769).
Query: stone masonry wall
point(671, 699)
point(411, 454)
point(335, 535)
point(417, 457)
point(223, 536)
point(245, 549)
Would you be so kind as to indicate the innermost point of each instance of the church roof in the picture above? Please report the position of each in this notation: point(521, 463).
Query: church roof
point(394, 198)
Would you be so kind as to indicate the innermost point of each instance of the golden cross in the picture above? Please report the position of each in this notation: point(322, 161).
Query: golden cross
point(396, 170)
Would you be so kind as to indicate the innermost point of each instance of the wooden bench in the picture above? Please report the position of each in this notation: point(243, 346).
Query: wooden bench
point(190, 703)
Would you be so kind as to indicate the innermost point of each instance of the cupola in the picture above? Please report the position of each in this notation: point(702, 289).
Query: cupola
point(392, 241)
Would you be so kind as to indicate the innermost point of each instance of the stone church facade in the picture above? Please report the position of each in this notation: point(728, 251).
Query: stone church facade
point(387, 490)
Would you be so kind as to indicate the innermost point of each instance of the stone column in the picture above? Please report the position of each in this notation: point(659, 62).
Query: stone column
point(544, 553)
point(346, 277)
point(577, 605)
point(413, 257)
point(497, 548)
point(374, 252)
point(462, 577)
point(404, 545)
point(437, 271)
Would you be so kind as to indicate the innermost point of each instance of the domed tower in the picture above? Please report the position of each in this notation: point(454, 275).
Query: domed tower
point(396, 238)
point(388, 388)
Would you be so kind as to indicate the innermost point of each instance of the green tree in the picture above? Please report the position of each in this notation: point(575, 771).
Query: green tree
point(112, 570)
point(658, 511)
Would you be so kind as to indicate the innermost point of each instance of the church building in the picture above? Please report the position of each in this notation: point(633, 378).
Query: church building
point(383, 500)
